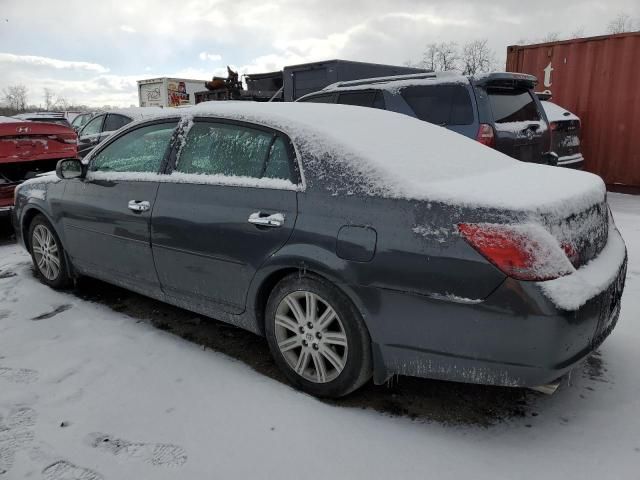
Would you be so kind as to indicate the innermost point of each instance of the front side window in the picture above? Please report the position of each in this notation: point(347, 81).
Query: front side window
point(512, 105)
point(440, 104)
point(140, 150)
point(235, 151)
point(93, 127)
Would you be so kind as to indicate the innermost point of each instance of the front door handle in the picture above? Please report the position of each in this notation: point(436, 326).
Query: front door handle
point(139, 205)
point(264, 220)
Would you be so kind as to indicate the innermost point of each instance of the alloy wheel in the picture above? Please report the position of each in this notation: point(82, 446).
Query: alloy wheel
point(45, 252)
point(311, 337)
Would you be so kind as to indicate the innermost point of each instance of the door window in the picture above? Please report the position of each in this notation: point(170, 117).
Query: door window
point(512, 105)
point(93, 127)
point(232, 150)
point(328, 98)
point(140, 150)
point(440, 104)
point(362, 99)
point(115, 122)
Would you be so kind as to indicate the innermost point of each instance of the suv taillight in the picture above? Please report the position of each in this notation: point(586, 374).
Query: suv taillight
point(486, 135)
point(524, 252)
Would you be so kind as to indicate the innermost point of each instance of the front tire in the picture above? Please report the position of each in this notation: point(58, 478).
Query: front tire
point(317, 337)
point(47, 253)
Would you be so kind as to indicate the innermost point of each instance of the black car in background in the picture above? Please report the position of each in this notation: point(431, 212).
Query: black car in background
point(103, 124)
point(499, 110)
point(360, 242)
point(57, 118)
point(565, 133)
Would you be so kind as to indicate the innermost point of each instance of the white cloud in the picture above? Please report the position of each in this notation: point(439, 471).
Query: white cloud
point(46, 62)
point(214, 57)
point(128, 29)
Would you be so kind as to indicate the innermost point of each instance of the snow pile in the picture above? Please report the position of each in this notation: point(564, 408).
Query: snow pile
point(195, 178)
point(556, 113)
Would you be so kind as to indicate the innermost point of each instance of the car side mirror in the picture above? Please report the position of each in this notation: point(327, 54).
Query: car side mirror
point(69, 168)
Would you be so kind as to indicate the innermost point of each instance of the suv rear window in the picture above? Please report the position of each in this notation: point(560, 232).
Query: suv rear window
point(512, 105)
point(373, 99)
point(440, 104)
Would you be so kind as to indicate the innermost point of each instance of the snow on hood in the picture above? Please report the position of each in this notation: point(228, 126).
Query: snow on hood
point(556, 113)
point(388, 154)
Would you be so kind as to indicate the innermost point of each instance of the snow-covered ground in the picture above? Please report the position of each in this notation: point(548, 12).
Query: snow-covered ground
point(89, 393)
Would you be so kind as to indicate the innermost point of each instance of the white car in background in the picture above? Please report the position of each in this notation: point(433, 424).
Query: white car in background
point(565, 135)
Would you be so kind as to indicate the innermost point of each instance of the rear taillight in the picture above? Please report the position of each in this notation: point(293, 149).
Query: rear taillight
point(524, 252)
point(486, 135)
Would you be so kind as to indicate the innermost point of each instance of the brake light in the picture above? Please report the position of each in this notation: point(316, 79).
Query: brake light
point(524, 252)
point(486, 135)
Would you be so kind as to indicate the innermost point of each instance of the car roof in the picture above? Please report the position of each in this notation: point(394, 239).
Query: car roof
point(396, 82)
point(352, 150)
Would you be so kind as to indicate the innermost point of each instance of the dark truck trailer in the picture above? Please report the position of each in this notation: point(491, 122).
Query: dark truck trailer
point(298, 80)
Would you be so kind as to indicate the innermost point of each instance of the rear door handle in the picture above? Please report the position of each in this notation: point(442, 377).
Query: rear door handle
point(139, 205)
point(264, 220)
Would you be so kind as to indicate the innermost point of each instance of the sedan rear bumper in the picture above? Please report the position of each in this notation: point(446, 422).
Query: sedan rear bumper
point(516, 337)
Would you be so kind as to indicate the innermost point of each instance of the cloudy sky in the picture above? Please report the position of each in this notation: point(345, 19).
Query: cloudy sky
point(93, 52)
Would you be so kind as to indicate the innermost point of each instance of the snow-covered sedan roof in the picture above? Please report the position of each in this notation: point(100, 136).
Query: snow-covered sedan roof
point(376, 152)
point(555, 113)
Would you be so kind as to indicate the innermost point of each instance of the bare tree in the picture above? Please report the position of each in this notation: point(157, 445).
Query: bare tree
point(622, 23)
point(447, 56)
point(429, 57)
point(477, 57)
point(15, 97)
point(49, 102)
point(578, 32)
point(551, 37)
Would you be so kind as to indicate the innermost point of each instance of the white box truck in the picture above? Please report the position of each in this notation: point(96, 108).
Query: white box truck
point(168, 92)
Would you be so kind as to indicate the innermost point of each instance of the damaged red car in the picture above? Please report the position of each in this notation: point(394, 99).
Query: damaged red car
point(27, 149)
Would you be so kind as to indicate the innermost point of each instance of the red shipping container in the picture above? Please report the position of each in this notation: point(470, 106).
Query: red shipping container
point(598, 79)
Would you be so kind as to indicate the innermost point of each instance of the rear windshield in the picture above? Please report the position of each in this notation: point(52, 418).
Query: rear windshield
point(512, 105)
point(440, 104)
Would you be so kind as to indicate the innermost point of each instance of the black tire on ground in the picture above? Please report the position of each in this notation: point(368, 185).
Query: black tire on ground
point(61, 279)
point(358, 365)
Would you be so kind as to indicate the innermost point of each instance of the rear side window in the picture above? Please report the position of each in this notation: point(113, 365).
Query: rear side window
point(114, 122)
point(512, 105)
point(373, 99)
point(233, 150)
point(328, 98)
point(140, 150)
point(440, 104)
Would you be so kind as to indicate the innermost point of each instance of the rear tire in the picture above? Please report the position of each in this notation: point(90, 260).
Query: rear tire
point(317, 337)
point(49, 259)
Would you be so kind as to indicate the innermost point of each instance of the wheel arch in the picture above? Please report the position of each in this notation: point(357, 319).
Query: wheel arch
point(268, 277)
point(30, 212)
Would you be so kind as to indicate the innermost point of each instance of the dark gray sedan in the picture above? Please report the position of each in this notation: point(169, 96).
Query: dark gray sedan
point(360, 242)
